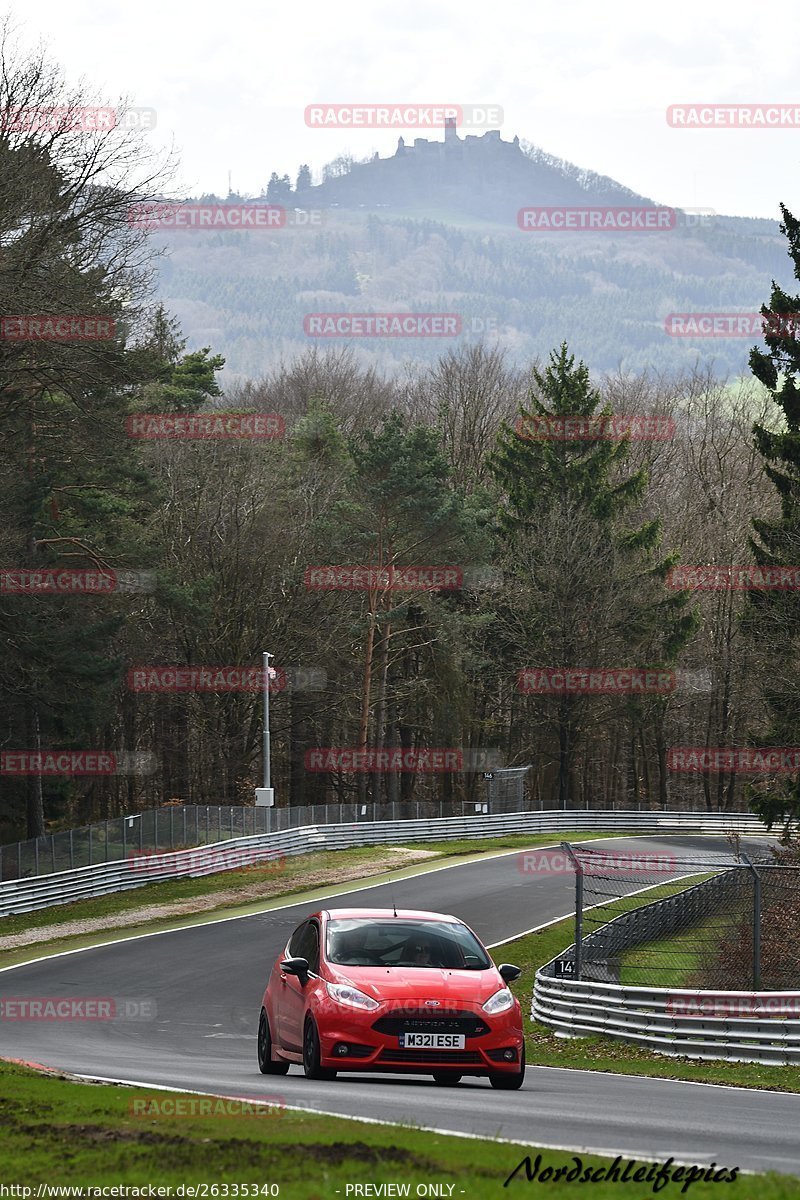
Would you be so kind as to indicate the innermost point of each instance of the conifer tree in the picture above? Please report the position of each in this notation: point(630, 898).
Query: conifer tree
point(773, 615)
point(584, 587)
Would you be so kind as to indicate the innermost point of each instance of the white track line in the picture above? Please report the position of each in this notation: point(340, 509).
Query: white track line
point(477, 1137)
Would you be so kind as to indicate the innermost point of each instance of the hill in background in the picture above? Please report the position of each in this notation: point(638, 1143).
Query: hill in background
point(433, 228)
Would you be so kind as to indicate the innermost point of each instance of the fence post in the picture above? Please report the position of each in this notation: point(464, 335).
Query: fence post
point(124, 838)
point(578, 908)
point(36, 856)
point(90, 845)
point(71, 851)
point(52, 851)
point(106, 841)
point(184, 824)
point(756, 924)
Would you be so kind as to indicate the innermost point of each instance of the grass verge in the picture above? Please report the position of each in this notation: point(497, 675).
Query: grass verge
point(59, 1132)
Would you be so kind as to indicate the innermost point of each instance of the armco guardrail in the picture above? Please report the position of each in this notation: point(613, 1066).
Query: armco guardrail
point(43, 891)
point(736, 1026)
point(179, 827)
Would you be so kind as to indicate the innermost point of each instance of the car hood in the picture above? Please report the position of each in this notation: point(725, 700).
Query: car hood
point(421, 983)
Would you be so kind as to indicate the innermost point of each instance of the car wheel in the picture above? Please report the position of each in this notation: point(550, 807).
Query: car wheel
point(266, 1065)
point(509, 1082)
point(446, 1078)
point(312, 1054)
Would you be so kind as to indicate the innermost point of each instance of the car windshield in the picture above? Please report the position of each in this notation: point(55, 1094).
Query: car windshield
point(395, 942)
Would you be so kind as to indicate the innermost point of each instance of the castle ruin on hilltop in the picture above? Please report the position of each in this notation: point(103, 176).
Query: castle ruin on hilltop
point(452, 143)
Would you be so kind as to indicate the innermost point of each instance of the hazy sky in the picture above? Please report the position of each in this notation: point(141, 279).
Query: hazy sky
point(588, 82)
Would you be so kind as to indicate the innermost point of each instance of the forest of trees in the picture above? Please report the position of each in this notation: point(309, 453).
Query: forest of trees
point(517, 291)
point(565, 547)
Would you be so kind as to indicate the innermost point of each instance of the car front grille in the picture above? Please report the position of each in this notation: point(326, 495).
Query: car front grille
point(396, 1055)
point(467, 1023)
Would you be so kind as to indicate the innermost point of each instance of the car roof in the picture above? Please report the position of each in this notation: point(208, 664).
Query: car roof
point(415, 914)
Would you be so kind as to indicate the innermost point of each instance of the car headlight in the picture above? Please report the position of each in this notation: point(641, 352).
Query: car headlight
point(343, 993)
point(500, 1002)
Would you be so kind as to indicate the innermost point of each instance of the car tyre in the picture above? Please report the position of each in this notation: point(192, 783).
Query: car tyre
point(446, 1078)
point(312, 1053)
point(508, 1082)
point(266, 1063)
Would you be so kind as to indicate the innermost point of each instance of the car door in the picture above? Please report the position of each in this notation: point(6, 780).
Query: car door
point(304, 944)
point(281, 991)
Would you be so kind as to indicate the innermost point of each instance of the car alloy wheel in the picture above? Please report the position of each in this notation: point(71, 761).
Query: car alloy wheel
point(266, 1065)
point(507, 1082)
point(312, 1053)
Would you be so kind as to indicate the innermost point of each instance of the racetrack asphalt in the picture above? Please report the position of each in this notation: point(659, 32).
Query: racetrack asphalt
point(205, 985)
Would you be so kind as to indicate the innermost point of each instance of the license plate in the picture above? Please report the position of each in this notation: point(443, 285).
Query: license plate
point(432, 1041)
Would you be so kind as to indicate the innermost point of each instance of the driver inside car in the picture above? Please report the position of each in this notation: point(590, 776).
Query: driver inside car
point(419, 952)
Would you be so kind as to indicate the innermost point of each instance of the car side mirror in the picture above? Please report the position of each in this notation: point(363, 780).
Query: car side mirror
point(509, 973)
point(296, 966)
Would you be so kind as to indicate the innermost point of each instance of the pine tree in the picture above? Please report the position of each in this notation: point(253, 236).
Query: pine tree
point(583, 587)
point(279, 189)
point(773, 616)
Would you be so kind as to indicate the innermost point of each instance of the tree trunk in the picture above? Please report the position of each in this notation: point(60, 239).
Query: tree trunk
point(380, 712)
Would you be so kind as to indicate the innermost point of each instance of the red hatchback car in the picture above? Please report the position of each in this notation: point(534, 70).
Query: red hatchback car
point(378, 990)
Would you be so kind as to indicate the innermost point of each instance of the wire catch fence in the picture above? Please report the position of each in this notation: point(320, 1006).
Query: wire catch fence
point(723, 921)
